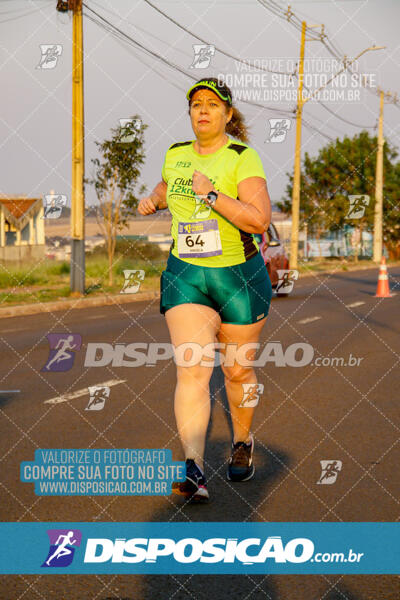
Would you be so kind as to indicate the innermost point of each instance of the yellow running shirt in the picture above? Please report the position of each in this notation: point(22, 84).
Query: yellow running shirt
point(201, 236)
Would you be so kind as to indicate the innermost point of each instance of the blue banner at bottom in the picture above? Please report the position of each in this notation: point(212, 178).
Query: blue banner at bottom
point(200, 548)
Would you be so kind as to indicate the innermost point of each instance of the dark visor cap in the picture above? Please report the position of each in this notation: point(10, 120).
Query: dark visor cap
point(212, 85)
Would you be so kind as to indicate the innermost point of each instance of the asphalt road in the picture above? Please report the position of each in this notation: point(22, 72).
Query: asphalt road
point(307, 414)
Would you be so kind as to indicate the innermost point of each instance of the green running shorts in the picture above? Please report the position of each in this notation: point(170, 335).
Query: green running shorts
point(241, 294)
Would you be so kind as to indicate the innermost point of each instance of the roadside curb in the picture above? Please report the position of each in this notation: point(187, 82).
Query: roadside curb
point(310, 273)
point(75, 303)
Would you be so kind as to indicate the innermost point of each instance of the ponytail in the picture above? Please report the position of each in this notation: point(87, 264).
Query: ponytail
point(237, 127)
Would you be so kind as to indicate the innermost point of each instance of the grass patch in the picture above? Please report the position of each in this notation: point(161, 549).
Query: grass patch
point(36, 295)
point(49, 280)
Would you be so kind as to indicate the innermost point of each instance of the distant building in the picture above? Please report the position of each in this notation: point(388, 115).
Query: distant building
point(21, 228)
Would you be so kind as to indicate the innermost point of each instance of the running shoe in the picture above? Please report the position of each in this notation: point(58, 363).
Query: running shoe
point(195, 486)
point(241, 466)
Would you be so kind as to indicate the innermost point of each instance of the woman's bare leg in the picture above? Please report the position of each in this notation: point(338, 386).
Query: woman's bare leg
point(237, 374)
point(197, 324)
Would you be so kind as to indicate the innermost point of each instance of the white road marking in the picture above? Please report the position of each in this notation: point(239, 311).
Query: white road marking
point(82, 392)
point(10, 391)
point(354, 304)
point(309, 320)
point(9, 330)
point(95, 317)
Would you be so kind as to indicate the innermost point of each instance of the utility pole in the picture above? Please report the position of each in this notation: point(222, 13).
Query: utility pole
point(77, 281)
point(294, 240)
point(377, 256)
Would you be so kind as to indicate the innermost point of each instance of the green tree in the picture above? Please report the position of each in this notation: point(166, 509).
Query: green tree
point(343, 168)
point(115, 179)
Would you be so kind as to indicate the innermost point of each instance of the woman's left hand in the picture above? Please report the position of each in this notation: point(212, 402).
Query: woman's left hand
point(201, 185)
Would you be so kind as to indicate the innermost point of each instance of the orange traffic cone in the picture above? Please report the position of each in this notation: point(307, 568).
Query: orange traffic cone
point(383, 291)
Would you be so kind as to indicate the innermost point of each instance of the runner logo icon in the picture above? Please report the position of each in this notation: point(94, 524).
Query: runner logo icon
point(330, 470)
point(62, 351)
point(357, 206)
point(287, 277)
point(63, 543)
point(133, 279)
point(54, 205)
point(98, 396)
point(251, 394)
point(278, 130)
point(129, 129)
point(202, 56)
point(50, 54)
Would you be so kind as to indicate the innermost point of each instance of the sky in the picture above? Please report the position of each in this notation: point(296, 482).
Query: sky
point(121, 81)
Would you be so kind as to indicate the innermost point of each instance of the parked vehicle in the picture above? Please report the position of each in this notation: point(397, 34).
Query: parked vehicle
point(273, 253)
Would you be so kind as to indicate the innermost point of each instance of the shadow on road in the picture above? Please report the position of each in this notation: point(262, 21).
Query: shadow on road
point(6, 398)
point(229, 502)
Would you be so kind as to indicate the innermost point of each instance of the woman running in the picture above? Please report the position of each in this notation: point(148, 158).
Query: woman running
point(216, 287)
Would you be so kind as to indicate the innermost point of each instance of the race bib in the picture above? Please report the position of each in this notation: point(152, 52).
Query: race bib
point(199, 239)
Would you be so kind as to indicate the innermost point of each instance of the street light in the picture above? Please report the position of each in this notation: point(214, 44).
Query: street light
point(346, 65)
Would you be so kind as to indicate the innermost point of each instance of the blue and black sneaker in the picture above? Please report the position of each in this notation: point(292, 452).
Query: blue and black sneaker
point(195, 486)
point(241, 466)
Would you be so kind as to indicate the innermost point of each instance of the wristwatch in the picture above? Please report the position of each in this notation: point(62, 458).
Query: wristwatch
point(211, 198)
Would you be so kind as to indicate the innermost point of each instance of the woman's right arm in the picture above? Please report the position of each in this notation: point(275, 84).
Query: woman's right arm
point(157, 200)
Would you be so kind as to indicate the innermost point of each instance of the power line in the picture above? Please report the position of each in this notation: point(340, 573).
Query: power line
point(135, 42)
point(236, 58)
point(316, 130)
point(114, 29)
point(122, 36)
point(142, 29)
point(323, 38)
point(279, 12)
point(30, 12)
point(129, 47)
point(329, 45)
